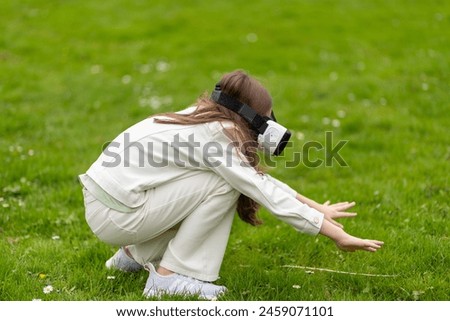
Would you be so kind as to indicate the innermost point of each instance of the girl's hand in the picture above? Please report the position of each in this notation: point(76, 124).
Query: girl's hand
point(347, 242)
point(352, 244)
point(338, 210)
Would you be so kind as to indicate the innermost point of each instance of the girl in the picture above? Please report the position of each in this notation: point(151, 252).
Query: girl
point(166, 189)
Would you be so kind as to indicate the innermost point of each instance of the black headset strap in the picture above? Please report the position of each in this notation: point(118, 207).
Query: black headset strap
point(257, 121)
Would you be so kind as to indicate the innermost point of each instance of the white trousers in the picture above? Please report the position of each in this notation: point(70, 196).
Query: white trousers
point(185, 224)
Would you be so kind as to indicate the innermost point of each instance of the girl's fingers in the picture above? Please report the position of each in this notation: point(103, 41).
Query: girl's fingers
point(373, 245)
point(343, 206)
point(326, 203)
point(344, 203)
point(345, 214)
point(366, 245)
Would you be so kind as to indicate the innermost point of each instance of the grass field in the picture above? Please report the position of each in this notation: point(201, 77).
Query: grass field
point(73, 74)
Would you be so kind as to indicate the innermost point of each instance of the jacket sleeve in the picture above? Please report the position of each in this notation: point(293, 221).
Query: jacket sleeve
point(274, 195)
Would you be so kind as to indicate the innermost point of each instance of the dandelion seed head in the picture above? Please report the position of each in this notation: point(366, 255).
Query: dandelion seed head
point(142, 102)
point(304, 118)
point(366, 102)
point(145, 69)
point(341, 113)
point(154, 102)
point(300, 135)
point(162, 66)
point(96, 69)
point(334, 76)
point(126, 79)
point(336, 123)
point(252, 37)
point(425, 86)
point(326, 121)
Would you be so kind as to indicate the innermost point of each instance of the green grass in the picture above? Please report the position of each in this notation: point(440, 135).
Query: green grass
point(73, 74)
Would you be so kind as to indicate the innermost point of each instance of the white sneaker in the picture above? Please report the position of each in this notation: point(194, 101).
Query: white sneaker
point(121, 261)
point(175, 283)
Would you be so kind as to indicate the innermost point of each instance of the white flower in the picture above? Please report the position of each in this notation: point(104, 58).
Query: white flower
point(366, 102)
point(145, 69)
point(162, 66)
point(126, 79)
point(55, 237)
point(155, 102)
point(335, 123)
point(300, 135)
point(47, 289)
point(96, 69)
point(110, 277)
point(417, 294)
point(333, 76)
point(296, 286)
point(252, 37)
point(341, 113)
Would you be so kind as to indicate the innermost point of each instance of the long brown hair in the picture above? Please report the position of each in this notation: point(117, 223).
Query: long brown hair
point(248, 90)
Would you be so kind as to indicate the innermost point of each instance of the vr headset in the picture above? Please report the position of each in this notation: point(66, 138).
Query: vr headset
point(272, 137)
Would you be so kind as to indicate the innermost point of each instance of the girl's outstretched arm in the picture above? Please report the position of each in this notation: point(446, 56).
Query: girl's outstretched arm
point(331, 211)
point(347, 242)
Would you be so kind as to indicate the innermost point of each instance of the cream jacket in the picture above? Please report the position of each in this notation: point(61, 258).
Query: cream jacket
point(149, 154)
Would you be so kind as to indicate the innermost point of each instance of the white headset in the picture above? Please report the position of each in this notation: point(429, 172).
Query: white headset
point(272, 137)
